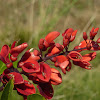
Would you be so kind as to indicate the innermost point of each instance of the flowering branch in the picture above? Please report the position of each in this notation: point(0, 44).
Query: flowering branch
point(33, 62)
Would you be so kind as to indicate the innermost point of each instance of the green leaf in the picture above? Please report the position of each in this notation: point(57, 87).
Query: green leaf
point(2, 67)
point(7, 90)
point(35, 97)
point(15, 64)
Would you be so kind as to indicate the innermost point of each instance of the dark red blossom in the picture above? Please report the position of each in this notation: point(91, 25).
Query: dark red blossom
point(46, 90)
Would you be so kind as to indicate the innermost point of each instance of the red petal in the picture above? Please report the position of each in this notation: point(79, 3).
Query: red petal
point(69, 30)
point(83, 44)
point(13, 45)
point(55, 77)
point(75, 56)
point(36, 52)
point(45, 72)
point(46, 90)
point(67, 36)
point(53, 50)
point(62, 62)
point(4, 54)
point(26, 88)
point(96, 29)
point(98, 40)
point(65, 42)
point(63, 66)
point(59, 46)
point(31, 67)
point(68, 68)
point(51, 36)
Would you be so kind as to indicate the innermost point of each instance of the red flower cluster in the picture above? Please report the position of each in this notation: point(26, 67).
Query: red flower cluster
point(34, 63)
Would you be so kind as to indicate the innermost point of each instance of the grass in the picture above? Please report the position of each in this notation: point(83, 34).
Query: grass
point(30, 20)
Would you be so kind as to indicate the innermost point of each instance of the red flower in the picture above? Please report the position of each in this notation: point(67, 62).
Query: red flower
point(89, 57)
point(84, 45)
point(15, 51)
point(7, 75)
point(48, 41)
point(45, 72)
point(55, 49)
point(68, 36)
point(63, 62)
point(93, 32)
point(84, 62)
point(29, 57)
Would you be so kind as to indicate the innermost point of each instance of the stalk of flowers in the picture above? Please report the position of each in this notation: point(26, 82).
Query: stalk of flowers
point(34, 63)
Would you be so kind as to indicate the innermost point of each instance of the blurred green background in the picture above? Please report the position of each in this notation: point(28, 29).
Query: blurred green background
point(30, 20)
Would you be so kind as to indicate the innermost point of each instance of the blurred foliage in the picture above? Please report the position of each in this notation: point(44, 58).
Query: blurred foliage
point(30, 20)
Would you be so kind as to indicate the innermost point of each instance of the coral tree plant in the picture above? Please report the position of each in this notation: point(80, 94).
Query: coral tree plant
point(34, 63)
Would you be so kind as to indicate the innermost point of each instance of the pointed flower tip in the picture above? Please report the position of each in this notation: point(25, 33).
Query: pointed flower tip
point(46, 90)
point(84, 36)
